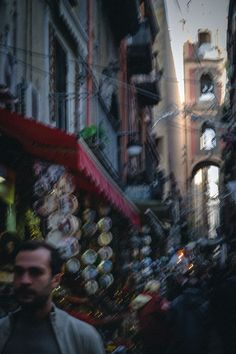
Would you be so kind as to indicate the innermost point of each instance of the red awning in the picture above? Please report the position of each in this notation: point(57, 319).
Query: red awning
point(51, 144)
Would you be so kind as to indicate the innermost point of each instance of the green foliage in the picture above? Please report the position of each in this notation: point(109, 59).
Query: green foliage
point(88, 132)
point(94, 134)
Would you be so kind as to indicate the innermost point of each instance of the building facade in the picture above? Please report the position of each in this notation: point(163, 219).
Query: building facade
point(228, 118)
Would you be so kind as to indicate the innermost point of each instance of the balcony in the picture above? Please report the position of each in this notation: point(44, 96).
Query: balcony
point(151, 15)
point(122, 16)
point(148, 90)
point(142, 196)
point(139, 51)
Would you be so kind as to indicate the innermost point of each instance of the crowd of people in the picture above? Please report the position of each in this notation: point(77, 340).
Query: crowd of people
point(196, 313)
point(192, 311)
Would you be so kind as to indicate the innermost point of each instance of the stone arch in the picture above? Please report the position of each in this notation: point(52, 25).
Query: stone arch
point(213, 161)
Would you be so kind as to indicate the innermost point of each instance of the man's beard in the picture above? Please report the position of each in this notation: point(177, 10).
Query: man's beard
point(36, 300)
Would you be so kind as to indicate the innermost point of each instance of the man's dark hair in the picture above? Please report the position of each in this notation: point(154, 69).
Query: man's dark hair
point(56, 261)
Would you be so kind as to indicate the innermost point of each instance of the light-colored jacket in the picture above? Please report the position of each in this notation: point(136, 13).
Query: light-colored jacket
point(73, 336)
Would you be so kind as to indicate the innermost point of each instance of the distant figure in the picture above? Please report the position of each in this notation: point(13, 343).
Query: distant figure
point(39, 327)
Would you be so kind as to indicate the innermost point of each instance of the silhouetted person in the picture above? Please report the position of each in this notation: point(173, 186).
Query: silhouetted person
point(188, 314)
point(223, 308)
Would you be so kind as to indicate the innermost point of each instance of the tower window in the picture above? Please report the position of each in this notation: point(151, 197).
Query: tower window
point(206, 87)
point(208, 137)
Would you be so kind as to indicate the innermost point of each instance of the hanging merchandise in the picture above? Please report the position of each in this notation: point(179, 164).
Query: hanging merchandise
point(56, 204)
point(106, 280)
point(105, 238)
point(89, 257)
point(89, 272)
point(54, 237)
point(105, 266)
point(104, 224)
point(72, 265)
point(68, 247)
point(91, 287)
point(105, 252)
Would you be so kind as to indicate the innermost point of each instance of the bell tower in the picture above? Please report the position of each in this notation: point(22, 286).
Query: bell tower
point(203, 79)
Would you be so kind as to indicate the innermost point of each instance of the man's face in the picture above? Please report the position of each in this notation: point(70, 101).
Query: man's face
point(33, 280)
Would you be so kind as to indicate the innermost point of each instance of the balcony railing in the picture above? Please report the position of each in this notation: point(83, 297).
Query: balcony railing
point(106, 163)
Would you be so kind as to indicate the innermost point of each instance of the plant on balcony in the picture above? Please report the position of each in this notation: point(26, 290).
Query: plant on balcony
point(94, 136)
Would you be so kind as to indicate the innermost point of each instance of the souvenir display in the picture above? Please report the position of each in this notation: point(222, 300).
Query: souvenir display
point(68, 247)
point(42, 186)
point(147, 240)
point(104, 225)
point(68, 204)
point(91, 286)
point(54, 237)
point(53, 220)
point(146, 250)
point(46, 205)
point(89, 215)
point(136, 266)
point(90, 272)
point(105, 252)
point(82, 232)
point(54, 173)
point(78, 234)
point(135, 241)
point(39, 168)
point(66, 184)
point(72, 265)
point(89, 257)
point(89, 229)
point(105, 238)
point(106, 280)
point(146, 262)
point(105, 266)
point(135, 252)
point(68, 224)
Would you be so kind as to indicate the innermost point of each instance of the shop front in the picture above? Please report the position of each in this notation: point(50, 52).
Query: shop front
point(53, 188)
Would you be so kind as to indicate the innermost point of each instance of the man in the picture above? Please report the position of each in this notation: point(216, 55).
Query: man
point(38, 327)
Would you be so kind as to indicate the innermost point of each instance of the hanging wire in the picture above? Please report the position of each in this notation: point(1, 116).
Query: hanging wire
point(117, 82)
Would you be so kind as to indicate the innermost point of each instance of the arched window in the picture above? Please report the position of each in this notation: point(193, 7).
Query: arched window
point(208, 137)
point(206, 87)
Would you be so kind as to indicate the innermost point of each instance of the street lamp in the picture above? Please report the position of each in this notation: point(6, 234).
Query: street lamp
point(134, 146)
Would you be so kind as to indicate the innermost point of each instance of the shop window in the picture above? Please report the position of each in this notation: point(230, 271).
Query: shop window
point(206, 87)
point(208, 137)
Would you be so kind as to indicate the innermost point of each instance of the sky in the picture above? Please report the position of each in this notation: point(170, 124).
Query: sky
point(185, 17)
